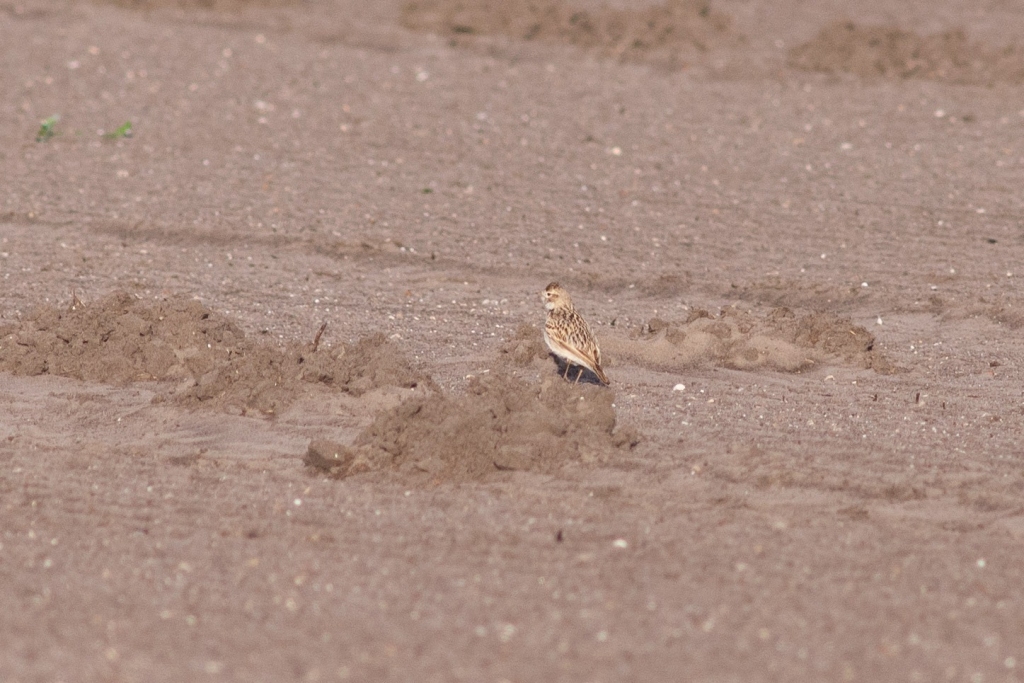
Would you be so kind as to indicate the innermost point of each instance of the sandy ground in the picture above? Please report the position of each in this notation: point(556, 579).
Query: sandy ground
point(797, 230)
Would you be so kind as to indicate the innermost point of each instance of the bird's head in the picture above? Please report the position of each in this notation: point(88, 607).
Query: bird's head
point(554, 296)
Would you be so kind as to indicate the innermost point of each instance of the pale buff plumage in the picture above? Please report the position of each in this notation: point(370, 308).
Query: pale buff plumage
point(568, 335)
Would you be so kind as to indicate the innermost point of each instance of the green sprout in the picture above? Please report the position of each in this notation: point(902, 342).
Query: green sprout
point(125, 131)
point(46, 126)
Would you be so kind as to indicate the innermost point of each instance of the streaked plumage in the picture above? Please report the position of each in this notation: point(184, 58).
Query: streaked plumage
point(568, 335)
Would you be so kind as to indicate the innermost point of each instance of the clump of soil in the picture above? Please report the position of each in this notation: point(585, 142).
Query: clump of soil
point(121, 339)
point(501, 423)
point(525, 346)
point(742, 340)
point(328, 455)
point(268, 378)
point(222, 5)
point(634, 34)
point(889, 52)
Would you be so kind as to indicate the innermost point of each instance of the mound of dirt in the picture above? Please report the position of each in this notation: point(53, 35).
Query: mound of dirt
point(889, 52)
point(525, 345)
point(634, 34)
point(268, 378)
point(121, 339)
point(741, 340)
point(781, 292)
point(501, 423)
point(222, 5)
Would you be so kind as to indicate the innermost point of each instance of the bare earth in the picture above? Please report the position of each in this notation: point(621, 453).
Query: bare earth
point(797, 230)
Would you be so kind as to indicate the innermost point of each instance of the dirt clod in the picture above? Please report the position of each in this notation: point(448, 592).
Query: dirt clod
point(738, 339)
point(122, 338)
point(500, 423)
point(525, 345)
point(329, 455)
point(890, 52)
point(656, 31)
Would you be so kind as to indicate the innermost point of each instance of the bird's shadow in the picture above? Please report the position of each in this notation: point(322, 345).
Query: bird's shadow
point(576, 374)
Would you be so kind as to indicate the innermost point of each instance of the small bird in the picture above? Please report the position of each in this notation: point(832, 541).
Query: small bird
point(568, 335)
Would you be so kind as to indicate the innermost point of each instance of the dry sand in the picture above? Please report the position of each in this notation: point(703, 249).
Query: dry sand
point(797, 230)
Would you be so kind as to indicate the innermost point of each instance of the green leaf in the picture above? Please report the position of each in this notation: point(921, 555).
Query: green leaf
point(46, 128)
point(125, 131)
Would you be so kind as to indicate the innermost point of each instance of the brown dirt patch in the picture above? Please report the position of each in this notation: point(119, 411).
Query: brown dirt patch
point(524, 346)
point(121, 338)
point(780, 340)
point(890, 52)
point(500, 423)
point(790, 293)
point(220, 5)
point(829, 524)
point(652, 32)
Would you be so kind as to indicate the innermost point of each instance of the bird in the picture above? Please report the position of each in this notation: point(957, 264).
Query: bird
point(568, 335)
